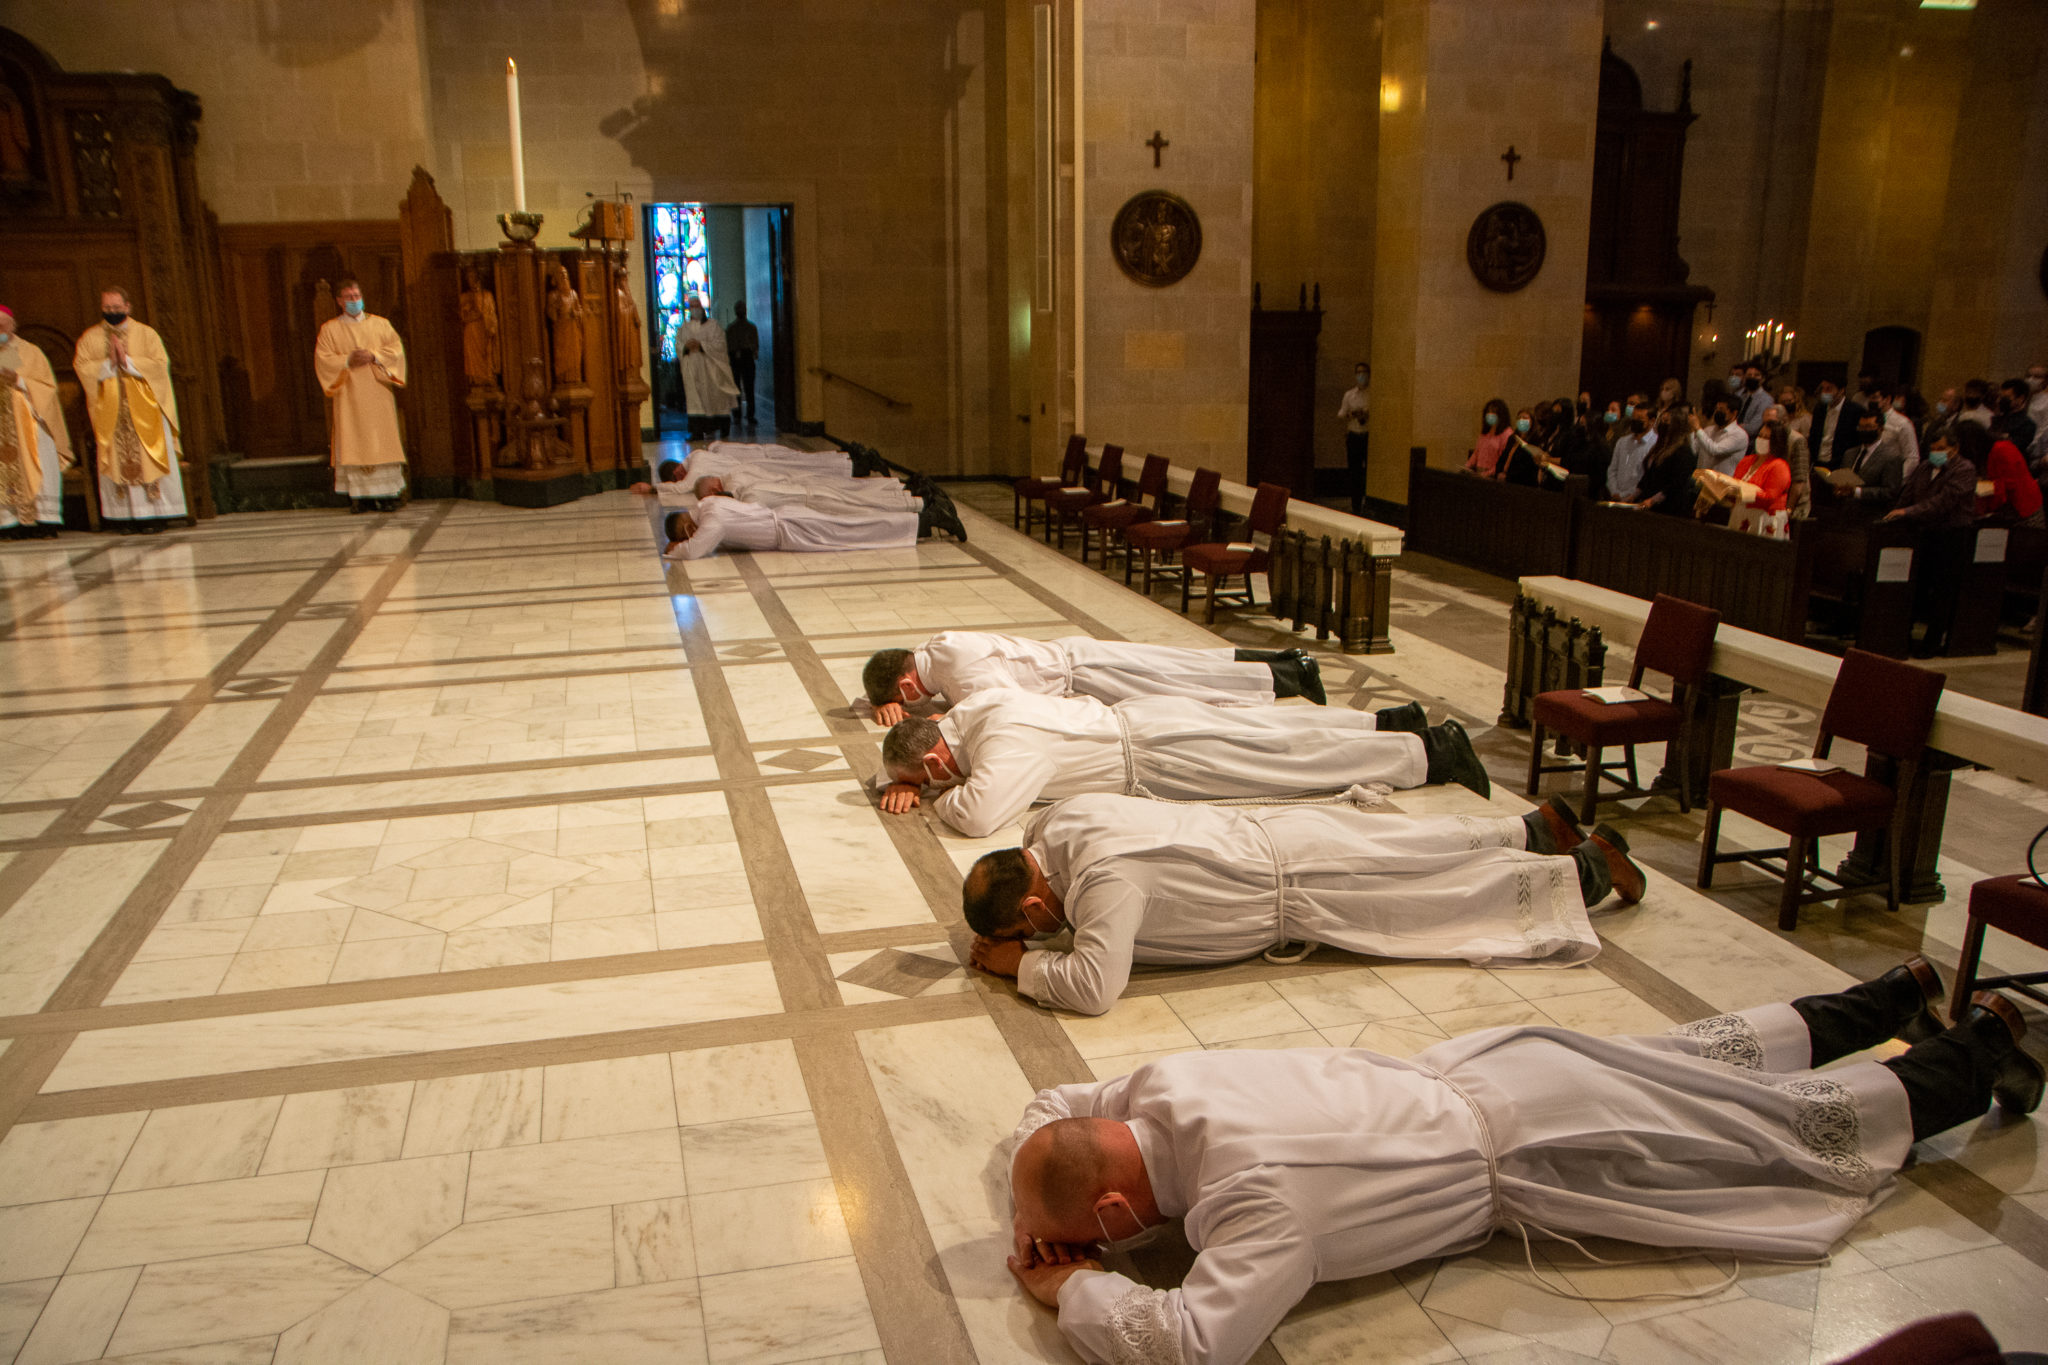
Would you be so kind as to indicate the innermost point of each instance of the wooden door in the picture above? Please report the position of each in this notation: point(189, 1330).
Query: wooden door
point(1280, 422)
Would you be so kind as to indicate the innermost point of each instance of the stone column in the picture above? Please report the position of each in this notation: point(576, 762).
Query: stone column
point(1460, 83)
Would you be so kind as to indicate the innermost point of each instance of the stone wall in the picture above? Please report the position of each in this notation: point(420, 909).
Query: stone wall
point(311, 111)
point(1167, 370)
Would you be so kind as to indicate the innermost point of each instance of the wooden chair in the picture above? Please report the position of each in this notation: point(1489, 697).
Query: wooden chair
point(1119, 514)
point(1030, 489)
point(1063, 506)
point(1219, 560)
point(1163, 536)
point(2018, 905)
point(1888, 708)
point(1677, 640)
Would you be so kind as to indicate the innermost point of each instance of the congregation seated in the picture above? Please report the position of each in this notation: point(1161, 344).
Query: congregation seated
point(1491, 443)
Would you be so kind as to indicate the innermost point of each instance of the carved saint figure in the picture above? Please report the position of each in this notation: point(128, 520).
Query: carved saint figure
point(479, 331)
point(565, 316)
point(628, 345)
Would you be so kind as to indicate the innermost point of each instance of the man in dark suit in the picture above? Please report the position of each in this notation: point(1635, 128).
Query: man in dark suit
point(1836, 417)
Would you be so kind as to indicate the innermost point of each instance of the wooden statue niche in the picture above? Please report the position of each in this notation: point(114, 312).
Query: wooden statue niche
point(565, 325)
point(482, 362)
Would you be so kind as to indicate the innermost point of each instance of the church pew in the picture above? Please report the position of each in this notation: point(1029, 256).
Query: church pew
point(1501, 528)
point(1966, 730)
point(1753, 581)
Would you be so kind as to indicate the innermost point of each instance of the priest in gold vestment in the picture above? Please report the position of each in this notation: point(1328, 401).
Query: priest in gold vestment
point(126, 374)
point(35, 445)
point(361, 364)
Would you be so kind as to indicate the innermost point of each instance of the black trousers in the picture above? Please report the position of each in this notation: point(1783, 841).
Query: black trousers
point(743, 375)
point(1947, 1078)
point(1355, 447)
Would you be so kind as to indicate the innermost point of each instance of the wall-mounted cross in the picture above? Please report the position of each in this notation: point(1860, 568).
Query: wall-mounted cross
point(1158, 144)
point(1511, 156)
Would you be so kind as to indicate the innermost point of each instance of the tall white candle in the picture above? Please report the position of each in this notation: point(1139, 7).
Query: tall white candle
point(518, 148)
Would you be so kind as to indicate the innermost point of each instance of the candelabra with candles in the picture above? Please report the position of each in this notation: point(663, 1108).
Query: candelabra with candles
point(1769, 344)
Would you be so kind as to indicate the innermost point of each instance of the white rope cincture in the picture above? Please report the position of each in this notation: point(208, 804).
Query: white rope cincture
point(1502, 1219)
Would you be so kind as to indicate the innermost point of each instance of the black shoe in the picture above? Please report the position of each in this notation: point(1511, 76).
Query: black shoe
point(927, 518)
point(1451, 758)
point(1913, 992)
point(2018, 1081)
point(1312, 679)
point(1295, 674)
point(947, 518)
point(1407, 719)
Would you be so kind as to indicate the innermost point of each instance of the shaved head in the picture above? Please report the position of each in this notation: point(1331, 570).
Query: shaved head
point(1060, 1172)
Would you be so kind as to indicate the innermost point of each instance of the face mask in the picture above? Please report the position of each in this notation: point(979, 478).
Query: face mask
point(1941, 407)
point(354, 308)
point(1492, 420)
point(1763, 445)
point(1144, 1237)
point(1522, 425)
point(6, 338)
point(1638, 426)
point(1937, 458)
point(1360, 377)
point(1610, 416)
point(1628, 410)
point(1720, 419)
point(1734, 379)
point(1752, 384)
point(1823, 400)
point(113, 319)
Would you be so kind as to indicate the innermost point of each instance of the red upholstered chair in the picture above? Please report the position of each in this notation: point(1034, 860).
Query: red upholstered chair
point(1219, 560)
point(2018, 905)
point(1163, 536)
point(1063, 506)
point(1888, 708)
point(1951, 1339)
point(1677, 639)
point(1119, 514)
point(1030, 489)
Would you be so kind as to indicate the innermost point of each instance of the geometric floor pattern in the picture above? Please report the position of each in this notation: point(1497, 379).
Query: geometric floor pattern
point(457, 936)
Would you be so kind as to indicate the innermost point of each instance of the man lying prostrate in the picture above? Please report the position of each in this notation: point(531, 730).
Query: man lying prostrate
point(1159, 883)
point(667, 475)
point(825, 491)
point(796, 464)
point(999, 751)
point(1290, 1167)
point(735, 525)
point(955, 664)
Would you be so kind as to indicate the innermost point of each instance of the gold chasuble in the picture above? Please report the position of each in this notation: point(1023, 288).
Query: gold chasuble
point(361, 406)
point(134, 411)
point(31, 428)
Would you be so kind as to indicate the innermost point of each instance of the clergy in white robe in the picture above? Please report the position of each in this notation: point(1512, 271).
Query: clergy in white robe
point(954, 664)
point(1164, 884)
point(738, 525)
point(1291, 1167)
point(826, 492)
point(35, 444)
point(716, 460)
point(1000, 750)
point(126, 373)
point(708, 388)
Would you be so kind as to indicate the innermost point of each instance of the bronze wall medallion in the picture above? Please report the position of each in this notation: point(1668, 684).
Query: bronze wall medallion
point(1156, 238)
point(1505, 246)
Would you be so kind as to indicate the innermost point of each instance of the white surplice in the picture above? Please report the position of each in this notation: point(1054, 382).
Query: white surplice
point(958, 663)
point(1020, 747)
point(743, 526)
point(1292, 1167)
point(708, 387)
point(797, 464)
point(825, 492)
point(1153, 882)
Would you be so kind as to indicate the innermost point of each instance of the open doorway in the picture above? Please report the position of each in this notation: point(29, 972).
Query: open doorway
point(734, 258)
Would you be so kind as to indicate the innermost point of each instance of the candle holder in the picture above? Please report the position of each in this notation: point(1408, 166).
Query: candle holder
point(519, 228)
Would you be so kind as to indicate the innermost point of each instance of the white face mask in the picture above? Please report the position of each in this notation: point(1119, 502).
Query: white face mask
point(1144, 1237)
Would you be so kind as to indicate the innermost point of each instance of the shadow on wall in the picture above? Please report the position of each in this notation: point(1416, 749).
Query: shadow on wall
point(299, 34)
point(896, 170)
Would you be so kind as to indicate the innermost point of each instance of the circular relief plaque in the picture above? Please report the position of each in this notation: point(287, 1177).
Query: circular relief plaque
point(1157, 238)
point(1505, 246)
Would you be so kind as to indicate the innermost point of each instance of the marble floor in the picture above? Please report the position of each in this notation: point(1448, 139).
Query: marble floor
point(456, 935)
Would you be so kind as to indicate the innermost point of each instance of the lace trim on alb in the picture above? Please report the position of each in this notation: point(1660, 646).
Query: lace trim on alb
point(1728, 1038)
point(1140, 1330)
point(1827, 1125)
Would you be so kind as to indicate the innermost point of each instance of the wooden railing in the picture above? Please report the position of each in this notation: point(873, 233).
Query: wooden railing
point(1502, 528)
point(1755, 582)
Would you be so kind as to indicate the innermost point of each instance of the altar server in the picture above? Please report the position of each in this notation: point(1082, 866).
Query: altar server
point(716, 522)
point(1159, 883)
point(1290, 1167)
point(35, 445)
point(999, 751)
point(126, 374)
point(361, 365)
point(955, 664)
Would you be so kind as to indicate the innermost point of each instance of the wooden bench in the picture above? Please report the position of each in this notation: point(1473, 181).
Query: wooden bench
point(1966, 729)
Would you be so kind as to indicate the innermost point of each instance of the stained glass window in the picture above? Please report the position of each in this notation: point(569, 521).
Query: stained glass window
point(682, 267)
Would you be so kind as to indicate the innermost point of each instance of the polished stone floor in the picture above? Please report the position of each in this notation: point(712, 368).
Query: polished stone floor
point(456, 935)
